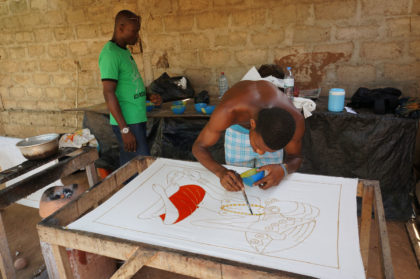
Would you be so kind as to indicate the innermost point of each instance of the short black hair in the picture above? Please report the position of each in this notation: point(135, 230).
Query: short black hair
point(276, 126)
point(271, 70)
point(126, 15)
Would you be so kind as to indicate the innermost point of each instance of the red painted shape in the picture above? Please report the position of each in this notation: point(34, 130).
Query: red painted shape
point(186, 200)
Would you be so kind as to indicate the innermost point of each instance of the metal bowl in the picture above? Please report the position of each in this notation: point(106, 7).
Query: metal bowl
point(39, 147)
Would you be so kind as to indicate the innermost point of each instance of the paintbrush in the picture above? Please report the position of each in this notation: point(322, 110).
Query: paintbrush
point(247, 202)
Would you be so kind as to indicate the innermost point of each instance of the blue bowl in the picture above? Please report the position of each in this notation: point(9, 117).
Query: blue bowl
point(208, 109)
point(178, 103)
point(251, 176)
point(149, 106)
point(178, 109)
point(199, 106)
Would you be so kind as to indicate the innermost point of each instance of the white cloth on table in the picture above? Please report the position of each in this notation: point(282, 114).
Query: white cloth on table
point(307, 105)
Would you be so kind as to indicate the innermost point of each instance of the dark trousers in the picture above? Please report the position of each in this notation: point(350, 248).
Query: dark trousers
point(139, 131)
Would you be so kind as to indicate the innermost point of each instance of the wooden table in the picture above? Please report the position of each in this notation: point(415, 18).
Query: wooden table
point(71, 160)
point(55, 237)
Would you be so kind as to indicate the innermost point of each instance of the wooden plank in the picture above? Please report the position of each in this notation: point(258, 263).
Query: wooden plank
point(366, 223)
point(385, 248)
point(360, 186)
point(29, 165)
point(62, 261)
point(414, 236)
point(50, 261)
point(169, 259)
point(91, 199)
point(6, 260)
point(35, 182)
point(143, 162)
point(92, 174)
point(137, 260)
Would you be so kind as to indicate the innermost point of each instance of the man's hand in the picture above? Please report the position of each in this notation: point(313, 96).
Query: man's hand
point(156, 99)
point(273, 175)
point(130, 144)
point(231, 181)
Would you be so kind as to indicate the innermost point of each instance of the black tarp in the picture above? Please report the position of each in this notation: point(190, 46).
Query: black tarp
point(366, 146)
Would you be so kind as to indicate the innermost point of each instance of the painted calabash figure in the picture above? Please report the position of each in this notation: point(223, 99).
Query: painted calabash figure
point(284, 223)
point(178, 201)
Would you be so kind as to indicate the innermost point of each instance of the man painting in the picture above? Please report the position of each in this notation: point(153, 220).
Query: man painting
point(260, 122)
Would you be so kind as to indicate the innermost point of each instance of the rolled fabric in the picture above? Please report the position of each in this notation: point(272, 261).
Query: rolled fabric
point(304, 104)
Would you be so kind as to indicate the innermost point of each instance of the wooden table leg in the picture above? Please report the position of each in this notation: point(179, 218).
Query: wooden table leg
point(62, 262)
point(6, 260)
point(49, 260)
point(366, 223)
point(386, 259)
point(92, 175)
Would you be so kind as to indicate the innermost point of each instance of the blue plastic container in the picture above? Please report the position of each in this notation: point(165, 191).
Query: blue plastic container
point(208, 109)
point(199, 106)
point(251, 176)
point(178, 103)
point(178, 109)
point(149, 106)
point(336, 99)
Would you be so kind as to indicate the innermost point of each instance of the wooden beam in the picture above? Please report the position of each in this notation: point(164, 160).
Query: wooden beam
point(386, 259)
point(92, 198)
point(29, 165)
point(92, 174)
point(6, 260)
point(195, 265)
point(135, 262)
point(414, 236)
point(366, 223)
point(27, 186)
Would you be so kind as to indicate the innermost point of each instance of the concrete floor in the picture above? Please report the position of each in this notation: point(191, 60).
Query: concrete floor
point(22, 237)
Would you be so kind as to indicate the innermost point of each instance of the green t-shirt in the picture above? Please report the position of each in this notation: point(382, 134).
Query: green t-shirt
point(116, 63)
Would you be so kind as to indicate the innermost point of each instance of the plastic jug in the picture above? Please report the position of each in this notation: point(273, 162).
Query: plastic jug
point(336, 99)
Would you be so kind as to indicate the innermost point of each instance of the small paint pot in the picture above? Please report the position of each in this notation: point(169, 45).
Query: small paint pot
point(251, 176)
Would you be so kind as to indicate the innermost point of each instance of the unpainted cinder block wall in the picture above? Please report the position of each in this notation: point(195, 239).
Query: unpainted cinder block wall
point(49, 49)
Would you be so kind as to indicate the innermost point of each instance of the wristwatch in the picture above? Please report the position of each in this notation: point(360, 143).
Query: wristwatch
point(125, 130)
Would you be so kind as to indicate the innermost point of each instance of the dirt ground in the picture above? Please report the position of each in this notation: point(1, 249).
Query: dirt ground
point(20, 222)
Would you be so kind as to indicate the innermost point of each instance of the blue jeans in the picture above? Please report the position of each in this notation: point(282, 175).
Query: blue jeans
point(139, 131)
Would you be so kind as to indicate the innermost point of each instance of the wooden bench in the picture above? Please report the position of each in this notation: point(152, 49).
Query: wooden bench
point(71, 160)
point(55, 238)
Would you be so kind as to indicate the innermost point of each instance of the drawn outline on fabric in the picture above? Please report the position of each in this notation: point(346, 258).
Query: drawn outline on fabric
point(194, 172)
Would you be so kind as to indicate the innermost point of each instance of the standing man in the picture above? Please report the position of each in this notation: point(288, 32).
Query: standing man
point(260, 122)
point(123, 88)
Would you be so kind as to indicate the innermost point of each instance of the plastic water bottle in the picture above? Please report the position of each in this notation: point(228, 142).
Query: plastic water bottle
point(223, 85)
point(289, 83)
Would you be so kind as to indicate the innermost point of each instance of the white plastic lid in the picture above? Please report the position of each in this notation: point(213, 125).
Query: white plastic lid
point(337, 91)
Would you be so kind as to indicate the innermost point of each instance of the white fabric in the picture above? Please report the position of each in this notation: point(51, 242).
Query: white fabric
point(253, 74)
point(11, 156)
point(306, 225)
point(304, 104)
point(76, 139)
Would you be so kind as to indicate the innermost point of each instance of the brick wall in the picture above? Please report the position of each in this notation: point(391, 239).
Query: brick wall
point(49, 48)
